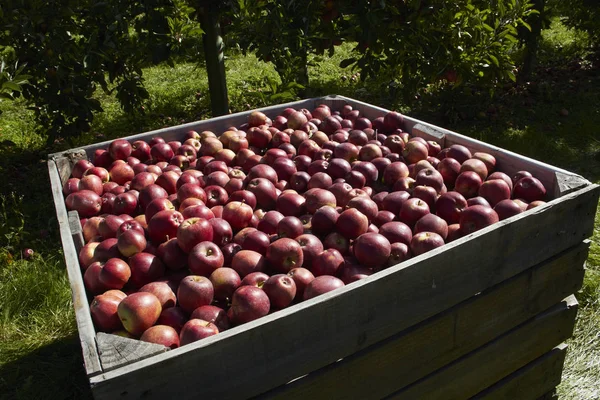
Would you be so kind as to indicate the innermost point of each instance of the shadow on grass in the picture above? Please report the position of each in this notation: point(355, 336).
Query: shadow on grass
point(54, 371)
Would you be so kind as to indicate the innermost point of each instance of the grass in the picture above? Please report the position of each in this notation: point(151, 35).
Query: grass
point(552, 118)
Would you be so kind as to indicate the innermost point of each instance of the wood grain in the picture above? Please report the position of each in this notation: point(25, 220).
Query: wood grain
point(402, 359)
point(532, 381)
point(485, 366)
point(116, 351)
point(76, 230)
point(361, 314)
point(80, 303)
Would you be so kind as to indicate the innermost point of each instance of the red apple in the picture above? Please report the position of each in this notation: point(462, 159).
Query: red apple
point(205, 258)
point(459, 152)
point(194, 291)
point(285, 254)
point(245, 262)
point(281, 290)
point(412, 210)
point(422, 242)
point(396, 231)
point(164, 225)
point(145, 268)
point(399, 252)
point(352, 223)
point(529, 189)
point(321, 285)
point(372, 250)
point(432, 223)
point(468, 183)
point(163, 293)
point(196, 329)
point(131, 242)
point(248, 303)
point(494, 191)
point(163, 335)
point(507, 208)
point(104, 313)
point(476, 217)
point(138, 312)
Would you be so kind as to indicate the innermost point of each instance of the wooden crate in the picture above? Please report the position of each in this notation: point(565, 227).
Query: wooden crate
point(484, 316)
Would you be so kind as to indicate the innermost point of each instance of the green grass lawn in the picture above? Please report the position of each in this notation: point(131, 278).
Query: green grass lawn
point(554, 118)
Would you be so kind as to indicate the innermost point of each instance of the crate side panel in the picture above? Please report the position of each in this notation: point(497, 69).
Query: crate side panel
point(363, 313)
point(83, 318)
point(397, 362)
point(532, 381)
point(489, 364)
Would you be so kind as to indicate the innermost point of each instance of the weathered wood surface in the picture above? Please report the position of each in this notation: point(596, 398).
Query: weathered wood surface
point(76, 230)
point(361, 314)
point(115, 350)
point(487, 365)
point(532, 381)
point(402, 359)
point(65, 161)
point(80, 303)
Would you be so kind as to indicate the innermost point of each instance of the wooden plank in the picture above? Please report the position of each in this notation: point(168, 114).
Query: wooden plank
point(567, 183)
point(428, 133)
point(487, 365)
point(116, 351)
point(80, 303)
point(65, 161)
point(404, 358)
point(532, 381)
point(361, 314)
point(76, 230)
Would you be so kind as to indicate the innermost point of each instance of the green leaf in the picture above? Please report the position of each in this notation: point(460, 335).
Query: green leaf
point(11, 86)
point(511, 76)
point(494, 60)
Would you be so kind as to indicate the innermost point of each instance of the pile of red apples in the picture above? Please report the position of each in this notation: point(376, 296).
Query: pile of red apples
point(187, 239)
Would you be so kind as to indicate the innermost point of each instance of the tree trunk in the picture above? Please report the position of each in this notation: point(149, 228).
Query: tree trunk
point(215, 63)
point(533, 38)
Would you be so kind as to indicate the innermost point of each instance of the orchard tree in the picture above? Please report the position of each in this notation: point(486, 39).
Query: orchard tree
point(286, 32)
point(412, 42)
point(71, 48)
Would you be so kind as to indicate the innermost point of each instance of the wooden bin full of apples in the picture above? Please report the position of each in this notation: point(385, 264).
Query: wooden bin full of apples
point(325, 248)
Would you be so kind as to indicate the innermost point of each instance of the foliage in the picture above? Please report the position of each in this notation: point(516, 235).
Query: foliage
point(579, 14)
point(413, 42)
point(285, 32)
point(11, 82)
point(73, 47)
